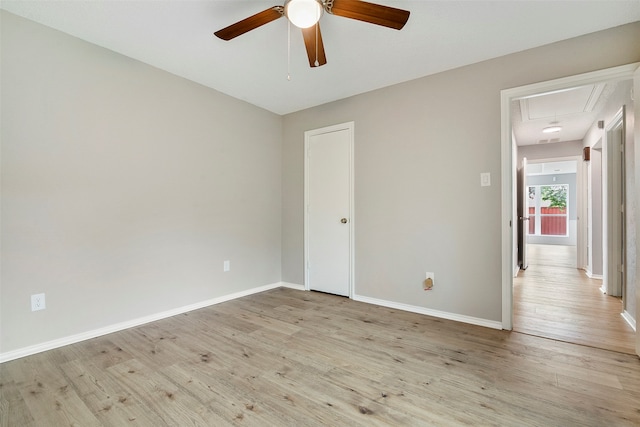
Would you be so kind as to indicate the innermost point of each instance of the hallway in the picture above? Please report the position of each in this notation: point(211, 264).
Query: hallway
point(553, 299)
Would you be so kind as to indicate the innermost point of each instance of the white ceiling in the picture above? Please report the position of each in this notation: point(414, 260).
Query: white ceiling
point(575, 110)
point(177, 36)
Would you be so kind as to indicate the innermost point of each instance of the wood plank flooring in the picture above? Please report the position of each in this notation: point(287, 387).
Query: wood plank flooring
point(294, 358)
point(553, 299)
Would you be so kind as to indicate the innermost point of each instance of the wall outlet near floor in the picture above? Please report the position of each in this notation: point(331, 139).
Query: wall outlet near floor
point(429, 281)
point(37, 302)
point(226, 266)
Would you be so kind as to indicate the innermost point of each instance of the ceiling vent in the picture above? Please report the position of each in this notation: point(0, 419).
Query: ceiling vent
point(548, 141)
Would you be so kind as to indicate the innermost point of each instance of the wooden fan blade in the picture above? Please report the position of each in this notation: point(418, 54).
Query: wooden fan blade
point(315, 50)
point(250, 23)
point(371, 13)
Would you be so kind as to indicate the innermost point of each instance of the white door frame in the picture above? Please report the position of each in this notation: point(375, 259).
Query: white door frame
point(624, 72)
point(307, 135)
point(613, 199)
point(582, 177)
point(636, 131)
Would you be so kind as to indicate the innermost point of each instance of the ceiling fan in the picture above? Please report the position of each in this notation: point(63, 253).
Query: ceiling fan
point(305, 14)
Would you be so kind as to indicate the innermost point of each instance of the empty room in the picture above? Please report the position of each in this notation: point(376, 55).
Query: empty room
point(214, 214)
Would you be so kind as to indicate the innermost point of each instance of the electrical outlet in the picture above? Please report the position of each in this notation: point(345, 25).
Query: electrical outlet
point(37, 302)
point(429, 281)
point(227, 266)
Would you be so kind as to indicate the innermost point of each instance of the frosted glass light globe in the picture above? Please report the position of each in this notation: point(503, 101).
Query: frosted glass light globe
point(303, 13)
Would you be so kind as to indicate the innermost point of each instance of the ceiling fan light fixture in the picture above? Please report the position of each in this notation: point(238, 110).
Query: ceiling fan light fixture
point(303, 13)
point(552, 129)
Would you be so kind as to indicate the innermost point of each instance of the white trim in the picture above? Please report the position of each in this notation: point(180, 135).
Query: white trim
point(590, 275)
point(582, 215)
point(295, 286)
point(630, 320)
point(430, 312)
point(624, 72)
point(61, 342)
point(613, 195)
point(350, 126)
point(509, 221)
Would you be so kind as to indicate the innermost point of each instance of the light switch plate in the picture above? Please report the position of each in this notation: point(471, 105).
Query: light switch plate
point(485, 179)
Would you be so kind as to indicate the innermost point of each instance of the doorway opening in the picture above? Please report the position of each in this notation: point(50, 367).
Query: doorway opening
point(548, 274)
point(554, 297)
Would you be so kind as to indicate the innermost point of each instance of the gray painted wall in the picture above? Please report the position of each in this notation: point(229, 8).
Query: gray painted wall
point(124, 188)
point(420, 147)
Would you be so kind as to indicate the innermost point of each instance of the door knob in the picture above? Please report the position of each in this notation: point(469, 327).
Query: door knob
point(343, 220)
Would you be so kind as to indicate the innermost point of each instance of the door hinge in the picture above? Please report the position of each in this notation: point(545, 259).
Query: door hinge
point(622, 208)
point(621, 268)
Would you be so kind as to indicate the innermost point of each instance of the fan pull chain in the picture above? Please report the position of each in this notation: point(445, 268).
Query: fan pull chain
point(288, 50)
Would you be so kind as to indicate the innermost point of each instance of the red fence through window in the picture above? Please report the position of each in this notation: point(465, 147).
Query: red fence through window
point(553, 221)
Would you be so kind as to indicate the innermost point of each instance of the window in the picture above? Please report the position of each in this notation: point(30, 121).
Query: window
point(548, 206)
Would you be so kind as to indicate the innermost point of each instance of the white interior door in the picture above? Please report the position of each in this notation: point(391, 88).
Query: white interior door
point(523, 215)
point(329, 214)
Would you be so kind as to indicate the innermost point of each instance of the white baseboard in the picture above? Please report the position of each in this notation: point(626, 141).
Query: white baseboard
point(50, 345)
point(61, 342)
point(429, 312)
point(292, 286)
point(630, 320)
point(590, 275)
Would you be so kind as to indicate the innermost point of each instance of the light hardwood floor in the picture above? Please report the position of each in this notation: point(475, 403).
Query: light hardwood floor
point(294, 358)
point(553, 299)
